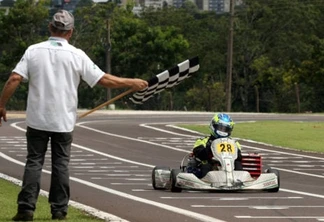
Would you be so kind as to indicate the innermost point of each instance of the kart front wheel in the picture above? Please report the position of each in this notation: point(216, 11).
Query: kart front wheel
point(154, 184)
point(173, 178)
point(276, 172)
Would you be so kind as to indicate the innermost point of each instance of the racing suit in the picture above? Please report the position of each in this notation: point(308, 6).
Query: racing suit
point(200, 165)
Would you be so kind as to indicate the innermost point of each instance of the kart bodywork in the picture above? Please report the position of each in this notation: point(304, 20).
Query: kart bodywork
point(224, 177)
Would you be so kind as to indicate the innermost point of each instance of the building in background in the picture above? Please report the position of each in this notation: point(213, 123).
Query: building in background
point(218, 6)
point(5, 5)
point(68, 5)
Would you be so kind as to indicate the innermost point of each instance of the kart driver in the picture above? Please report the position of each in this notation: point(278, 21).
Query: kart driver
point(221, 126)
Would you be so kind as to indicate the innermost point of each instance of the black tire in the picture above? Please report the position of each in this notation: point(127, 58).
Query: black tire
point(173, 178)
point(270, 170)
point(153, 177)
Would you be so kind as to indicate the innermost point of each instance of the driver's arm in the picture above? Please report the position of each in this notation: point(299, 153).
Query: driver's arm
point(199, 149)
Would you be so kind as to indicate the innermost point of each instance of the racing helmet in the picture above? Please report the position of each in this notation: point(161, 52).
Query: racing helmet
point(221, 125)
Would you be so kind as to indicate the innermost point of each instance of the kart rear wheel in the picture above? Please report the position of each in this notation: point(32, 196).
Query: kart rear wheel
point(154, 179)
point(173, 178)
point(270, 170)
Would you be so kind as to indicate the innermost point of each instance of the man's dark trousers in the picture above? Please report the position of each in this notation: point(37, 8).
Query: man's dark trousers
point(59, 195)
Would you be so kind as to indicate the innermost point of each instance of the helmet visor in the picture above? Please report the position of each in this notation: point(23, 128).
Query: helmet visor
point(222, 128)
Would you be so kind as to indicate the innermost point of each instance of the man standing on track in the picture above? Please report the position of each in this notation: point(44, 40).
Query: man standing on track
point(54, 69)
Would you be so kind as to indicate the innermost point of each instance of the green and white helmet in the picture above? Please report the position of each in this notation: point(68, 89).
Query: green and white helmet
point(221, 125)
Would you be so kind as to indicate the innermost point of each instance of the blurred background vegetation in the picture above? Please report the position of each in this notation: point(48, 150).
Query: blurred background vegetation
point(277, 52)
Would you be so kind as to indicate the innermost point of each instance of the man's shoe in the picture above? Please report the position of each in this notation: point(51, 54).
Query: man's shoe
point(24, 216)
point(59, 216)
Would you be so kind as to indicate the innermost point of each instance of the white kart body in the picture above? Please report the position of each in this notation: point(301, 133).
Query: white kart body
point(225, 178)
point(218, 180)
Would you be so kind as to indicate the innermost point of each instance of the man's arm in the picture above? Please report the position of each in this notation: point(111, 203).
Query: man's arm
point(111, 81)
point(7, 91)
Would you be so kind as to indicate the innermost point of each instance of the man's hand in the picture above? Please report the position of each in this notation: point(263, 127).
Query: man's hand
point(3, 115)
point(139, 84)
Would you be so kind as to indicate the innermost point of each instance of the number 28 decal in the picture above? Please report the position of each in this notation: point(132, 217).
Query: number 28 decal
point(225, 148)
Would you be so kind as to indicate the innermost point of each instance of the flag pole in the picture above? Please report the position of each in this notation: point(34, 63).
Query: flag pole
point(107, 103)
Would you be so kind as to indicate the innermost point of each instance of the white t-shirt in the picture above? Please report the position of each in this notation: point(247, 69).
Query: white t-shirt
point(54, 69)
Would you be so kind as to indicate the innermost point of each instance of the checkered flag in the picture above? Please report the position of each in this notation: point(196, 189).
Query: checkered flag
point(167, 79)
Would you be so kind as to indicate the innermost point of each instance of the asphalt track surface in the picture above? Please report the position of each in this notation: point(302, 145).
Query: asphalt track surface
point(114, 153)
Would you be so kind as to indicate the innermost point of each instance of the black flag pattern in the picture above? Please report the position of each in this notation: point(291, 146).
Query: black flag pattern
point(167, 79)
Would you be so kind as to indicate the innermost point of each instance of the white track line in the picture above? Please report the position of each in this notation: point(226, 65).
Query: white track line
point(197, 216)
point(90, 210)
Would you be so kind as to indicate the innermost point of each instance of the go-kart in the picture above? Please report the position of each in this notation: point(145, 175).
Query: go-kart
point(222, 177)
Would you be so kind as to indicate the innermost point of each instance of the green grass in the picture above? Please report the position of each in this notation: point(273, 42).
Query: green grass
point(307, 136)
point(8, 203)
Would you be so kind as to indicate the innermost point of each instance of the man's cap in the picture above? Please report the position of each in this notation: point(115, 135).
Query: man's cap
point(63, 20)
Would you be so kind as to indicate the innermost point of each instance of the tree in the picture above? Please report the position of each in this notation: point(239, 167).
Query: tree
point(23, 25)
point(137, 49)
point(272, 38)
